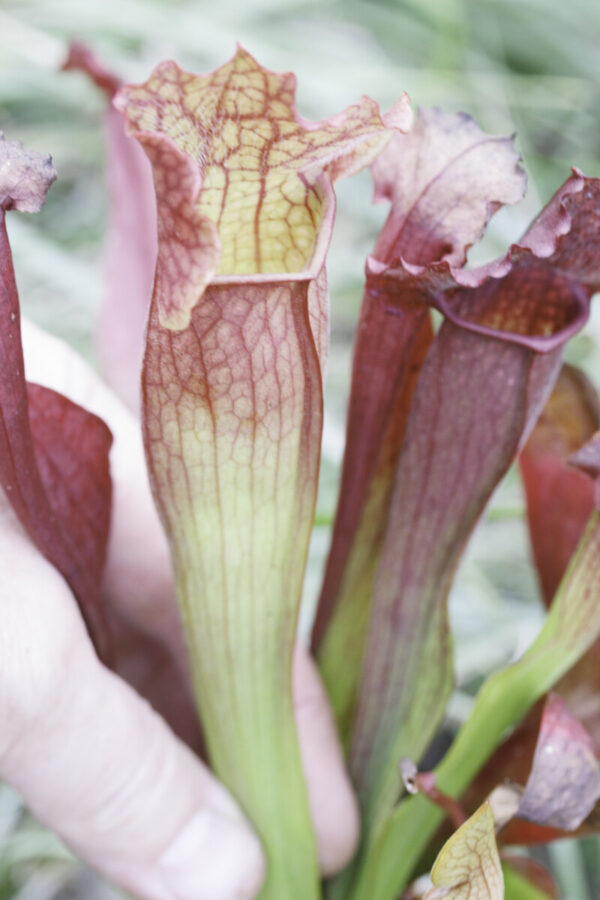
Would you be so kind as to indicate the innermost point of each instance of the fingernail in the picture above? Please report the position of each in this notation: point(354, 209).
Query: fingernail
point(212, 858)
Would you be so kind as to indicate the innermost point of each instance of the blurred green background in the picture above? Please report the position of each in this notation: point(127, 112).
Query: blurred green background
point(531, 67)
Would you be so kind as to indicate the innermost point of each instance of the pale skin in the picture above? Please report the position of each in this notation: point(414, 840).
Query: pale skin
point(90, 756)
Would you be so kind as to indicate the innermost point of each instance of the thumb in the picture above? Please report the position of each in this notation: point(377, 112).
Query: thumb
point(95, 763)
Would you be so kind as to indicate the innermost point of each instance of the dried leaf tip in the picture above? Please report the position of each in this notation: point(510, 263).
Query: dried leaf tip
point(399, 116)
point(445, 178)
point(25, 177)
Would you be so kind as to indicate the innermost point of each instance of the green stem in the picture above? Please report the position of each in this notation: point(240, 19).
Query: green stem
point(250, 732)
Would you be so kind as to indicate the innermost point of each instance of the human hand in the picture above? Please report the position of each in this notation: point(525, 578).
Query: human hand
point(91, 758)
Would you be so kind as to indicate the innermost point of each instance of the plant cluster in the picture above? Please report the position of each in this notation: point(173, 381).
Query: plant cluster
point(224, 215)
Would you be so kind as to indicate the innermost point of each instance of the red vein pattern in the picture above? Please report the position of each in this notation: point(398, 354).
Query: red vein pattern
point(232, 401)
point(247, 169)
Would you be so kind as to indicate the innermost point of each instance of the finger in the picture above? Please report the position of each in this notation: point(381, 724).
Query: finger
point(332, 802)
point(95, 763)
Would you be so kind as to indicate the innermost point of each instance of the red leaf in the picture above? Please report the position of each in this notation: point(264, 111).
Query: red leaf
point(131, 246)
point(563, 789)
point(39, 469)
point(564, 783)
point(71, 449)
point(529, 834)
point(559, 498)
point(82, 58)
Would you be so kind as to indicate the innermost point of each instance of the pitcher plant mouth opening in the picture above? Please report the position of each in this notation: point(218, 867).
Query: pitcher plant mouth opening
point(257, 176)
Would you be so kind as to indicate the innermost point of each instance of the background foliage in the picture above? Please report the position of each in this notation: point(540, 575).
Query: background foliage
point(525, 66)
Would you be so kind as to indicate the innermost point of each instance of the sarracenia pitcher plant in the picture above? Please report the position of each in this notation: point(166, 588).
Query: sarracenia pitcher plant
point(231, 214)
